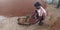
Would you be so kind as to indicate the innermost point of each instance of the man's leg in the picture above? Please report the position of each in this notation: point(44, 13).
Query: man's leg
point(58, 4)
point(40, 21)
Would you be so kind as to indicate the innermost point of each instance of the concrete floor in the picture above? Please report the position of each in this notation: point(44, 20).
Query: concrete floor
point(10, 23)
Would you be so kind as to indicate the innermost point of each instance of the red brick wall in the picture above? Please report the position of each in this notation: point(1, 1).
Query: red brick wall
point(16, 7)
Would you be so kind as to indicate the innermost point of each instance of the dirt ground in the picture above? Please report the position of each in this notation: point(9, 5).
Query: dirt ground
point(10, 23)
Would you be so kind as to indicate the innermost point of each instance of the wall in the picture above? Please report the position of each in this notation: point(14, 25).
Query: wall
point(55, 1)
point(16, 7)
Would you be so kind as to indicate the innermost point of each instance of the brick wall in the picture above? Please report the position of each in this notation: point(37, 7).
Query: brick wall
point(16, 7)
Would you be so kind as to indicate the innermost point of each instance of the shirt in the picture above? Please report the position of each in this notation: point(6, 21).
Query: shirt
point(41, 11)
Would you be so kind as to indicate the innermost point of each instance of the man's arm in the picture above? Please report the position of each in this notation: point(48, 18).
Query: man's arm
point(34, 14)
point(44, 12)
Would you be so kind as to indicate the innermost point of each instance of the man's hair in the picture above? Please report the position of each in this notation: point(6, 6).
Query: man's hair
point(37, 4)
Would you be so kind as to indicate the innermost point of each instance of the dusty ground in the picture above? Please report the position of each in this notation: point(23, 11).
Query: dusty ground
point(10, 23)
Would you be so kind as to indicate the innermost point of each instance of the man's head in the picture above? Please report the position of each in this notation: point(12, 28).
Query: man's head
point(37, 5)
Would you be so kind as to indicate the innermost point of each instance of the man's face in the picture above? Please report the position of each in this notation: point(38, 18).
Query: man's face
point(38, 7)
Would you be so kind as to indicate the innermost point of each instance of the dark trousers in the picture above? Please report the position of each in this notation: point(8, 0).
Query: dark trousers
point(40, 19)
point(58, 4)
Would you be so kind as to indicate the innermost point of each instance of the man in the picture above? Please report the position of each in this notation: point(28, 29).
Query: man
point(39, 13)
point(58, 4)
